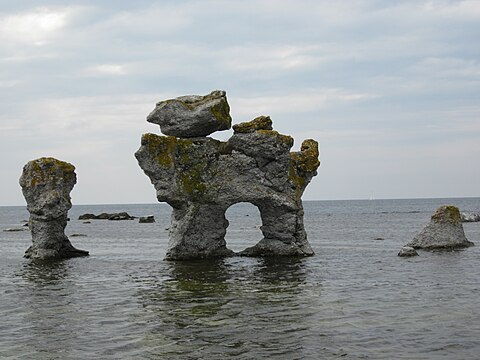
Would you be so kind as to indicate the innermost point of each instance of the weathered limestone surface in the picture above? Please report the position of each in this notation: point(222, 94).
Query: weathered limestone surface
point(46, 184)
point(445, 231)
point(407, 251)
point(202, 177)
point(469, 217)
point(192, 115)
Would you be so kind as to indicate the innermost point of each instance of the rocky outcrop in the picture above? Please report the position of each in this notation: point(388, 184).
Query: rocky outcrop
point(192, 115)
point(146, 219)
point(107, 216)
point(46, 185)
point(201, 178)
point(407, 251)
point(469, 217)
point(445, 231)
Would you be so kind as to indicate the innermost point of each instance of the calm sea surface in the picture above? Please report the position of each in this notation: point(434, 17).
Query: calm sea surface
point(355, 299)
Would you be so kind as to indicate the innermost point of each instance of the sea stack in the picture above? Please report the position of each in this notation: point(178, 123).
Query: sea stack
point(445, 231)
point(46, 185)
point(201, 177)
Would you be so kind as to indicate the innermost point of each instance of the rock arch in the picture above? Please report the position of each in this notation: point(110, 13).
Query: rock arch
point(201, 177)
point(244, 226)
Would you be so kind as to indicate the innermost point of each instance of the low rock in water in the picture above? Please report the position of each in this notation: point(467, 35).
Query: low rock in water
point(107, 216)
point(146, 219)
point(445, 231)
point(407, 251)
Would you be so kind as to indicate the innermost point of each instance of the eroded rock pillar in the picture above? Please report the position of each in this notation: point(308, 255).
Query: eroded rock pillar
point(46, 185)
point(201, 177)
point(198, 231)
point(283, 231)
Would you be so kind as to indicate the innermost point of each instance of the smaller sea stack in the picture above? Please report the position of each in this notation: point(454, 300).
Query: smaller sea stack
point(445, 231)
point(46, 185)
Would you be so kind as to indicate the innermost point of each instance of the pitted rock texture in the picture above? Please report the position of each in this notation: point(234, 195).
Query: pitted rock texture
point(192, 115)
point(202, 177)
point(407, 251)
point(445, 231)
point(46, 185)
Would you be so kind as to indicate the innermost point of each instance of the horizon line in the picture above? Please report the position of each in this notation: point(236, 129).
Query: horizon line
point(307, 200)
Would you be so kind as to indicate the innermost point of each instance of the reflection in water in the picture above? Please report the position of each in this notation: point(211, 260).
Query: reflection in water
point(354, 300)
point(44, 272)
point(227, 307)
point(46, 296)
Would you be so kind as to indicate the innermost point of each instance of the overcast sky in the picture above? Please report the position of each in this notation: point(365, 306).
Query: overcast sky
point(390, 89)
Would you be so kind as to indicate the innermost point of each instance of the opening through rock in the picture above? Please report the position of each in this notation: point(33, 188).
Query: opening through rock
point(244, 226)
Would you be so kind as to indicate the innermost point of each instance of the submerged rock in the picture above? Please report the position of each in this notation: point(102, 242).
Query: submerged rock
point(202, 177)
point(15, 229)
point(87, 217)
point(46, 185)
point(121, 216)
point(445, 231)
point(107, 216)
point(192, 115)
point(146, 219)
point(407, 251)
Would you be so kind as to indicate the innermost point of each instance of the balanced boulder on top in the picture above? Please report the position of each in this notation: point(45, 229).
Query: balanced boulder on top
point(201, 177)
point(192, 115)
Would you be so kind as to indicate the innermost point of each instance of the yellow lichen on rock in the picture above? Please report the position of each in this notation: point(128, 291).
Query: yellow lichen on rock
point(285, 139)
point(201, 177)
point(161, 147)
point(303, 164)
point(447, 213)
point(221, 111)
point(48, 169)
point(46, 185)
point(259, 123)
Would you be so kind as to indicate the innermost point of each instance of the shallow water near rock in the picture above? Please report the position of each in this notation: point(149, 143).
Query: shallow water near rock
point(355, 299)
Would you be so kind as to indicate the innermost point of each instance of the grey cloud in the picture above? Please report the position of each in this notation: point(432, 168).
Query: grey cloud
point(352, 73)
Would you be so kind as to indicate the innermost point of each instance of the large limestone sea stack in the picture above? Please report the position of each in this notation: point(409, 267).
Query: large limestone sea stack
point(445, 231)
point(201, 177)
point(46, 185)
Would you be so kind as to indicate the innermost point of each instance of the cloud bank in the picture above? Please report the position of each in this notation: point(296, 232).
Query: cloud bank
point(389, 89)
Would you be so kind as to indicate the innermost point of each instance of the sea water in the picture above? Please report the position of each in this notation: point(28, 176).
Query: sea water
point(355, 299)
